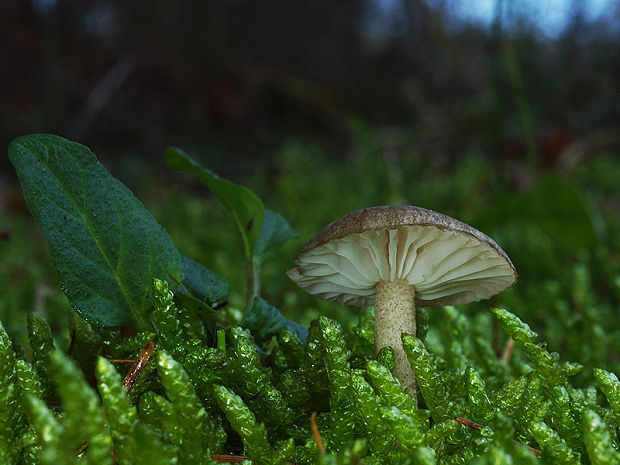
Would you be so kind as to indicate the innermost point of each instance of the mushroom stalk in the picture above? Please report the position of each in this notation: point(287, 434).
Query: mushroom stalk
point(394, 315)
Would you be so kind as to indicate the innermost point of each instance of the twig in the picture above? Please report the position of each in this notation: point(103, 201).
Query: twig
point(315, 431)
point(507, 352)
point(137, 367)
point(228, 458)
point(476, 426)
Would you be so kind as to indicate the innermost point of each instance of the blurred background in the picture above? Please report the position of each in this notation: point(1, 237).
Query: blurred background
point(504, 114)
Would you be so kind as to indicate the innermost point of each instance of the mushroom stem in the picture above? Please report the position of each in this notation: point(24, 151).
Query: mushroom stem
point(394, 315)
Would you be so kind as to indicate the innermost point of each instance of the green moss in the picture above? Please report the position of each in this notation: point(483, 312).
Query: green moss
point(545, 378)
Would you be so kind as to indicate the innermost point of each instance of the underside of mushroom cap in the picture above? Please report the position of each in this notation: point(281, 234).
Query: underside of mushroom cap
point(447, 261)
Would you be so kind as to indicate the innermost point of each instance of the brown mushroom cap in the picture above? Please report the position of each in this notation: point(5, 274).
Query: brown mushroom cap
point(447, 261)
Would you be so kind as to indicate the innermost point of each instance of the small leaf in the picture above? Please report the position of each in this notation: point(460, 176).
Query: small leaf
point(202, 283)
point(367, 404)
point(386, 358)
point(598, 440)
point(241, 203)
point(610, 387)
point(105, 245)
point(336, 358)
point(276, 231)
point(480, 406)
point(553, 445)
point(199, 432)
point(49, 432)
point(83, 419)
point(243, 421)
point(265, 321)
point(42, 344)
point(393, 393)
point(11, 414)
point(406, 430)
point(250, 376)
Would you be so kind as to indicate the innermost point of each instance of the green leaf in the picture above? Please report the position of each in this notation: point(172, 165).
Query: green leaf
point(380, 434)
point(598, 440)
point(250, 376)
point(198, 431)
point(86, 343)
point(386, 357)
point(243, 421)
point(291, 347)
point(242, 204)
point(166, 321)
point(265, 320)
point(134, 441)
point(11, 414)
point(28, 380)
point(83, 419)
point(393, 393)
point(553, 445)
point(42, 345)
point(428, 376)
point(610, 387)
point(49, 431)
point(105, 245)
point(480, 406)
point(336, 358)
point(202, 283)
point(408, 433)
point(120, 414)
point(276, 231)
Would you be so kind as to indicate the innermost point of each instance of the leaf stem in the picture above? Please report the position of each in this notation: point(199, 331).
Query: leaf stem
point(253, 285)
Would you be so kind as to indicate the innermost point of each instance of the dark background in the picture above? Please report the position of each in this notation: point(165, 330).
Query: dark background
point(231, 80)
point(510, 124)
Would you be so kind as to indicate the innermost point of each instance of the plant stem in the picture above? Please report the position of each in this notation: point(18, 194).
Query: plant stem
point(253, 286)
point(221, 340)
point(394, 315)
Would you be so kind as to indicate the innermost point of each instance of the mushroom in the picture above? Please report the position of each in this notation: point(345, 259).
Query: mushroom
point(394, 257)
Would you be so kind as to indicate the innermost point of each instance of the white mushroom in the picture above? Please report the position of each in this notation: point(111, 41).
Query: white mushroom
point(393, 257)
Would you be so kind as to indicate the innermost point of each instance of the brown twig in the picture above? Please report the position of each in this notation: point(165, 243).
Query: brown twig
point(476, 426)
point(82, 448)
point(233, 458)
point(471, 424)
point(507, 352)
point(228, 458)
point(137, 367)
point(315, 431)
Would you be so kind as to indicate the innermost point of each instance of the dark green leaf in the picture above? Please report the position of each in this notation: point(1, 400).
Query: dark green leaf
point(105, 246)
point(202, 283)
point(265, 321)
point(276, 231)
point(241, 203)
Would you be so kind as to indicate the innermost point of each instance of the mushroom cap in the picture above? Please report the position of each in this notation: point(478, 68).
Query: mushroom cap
point(447, 261)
